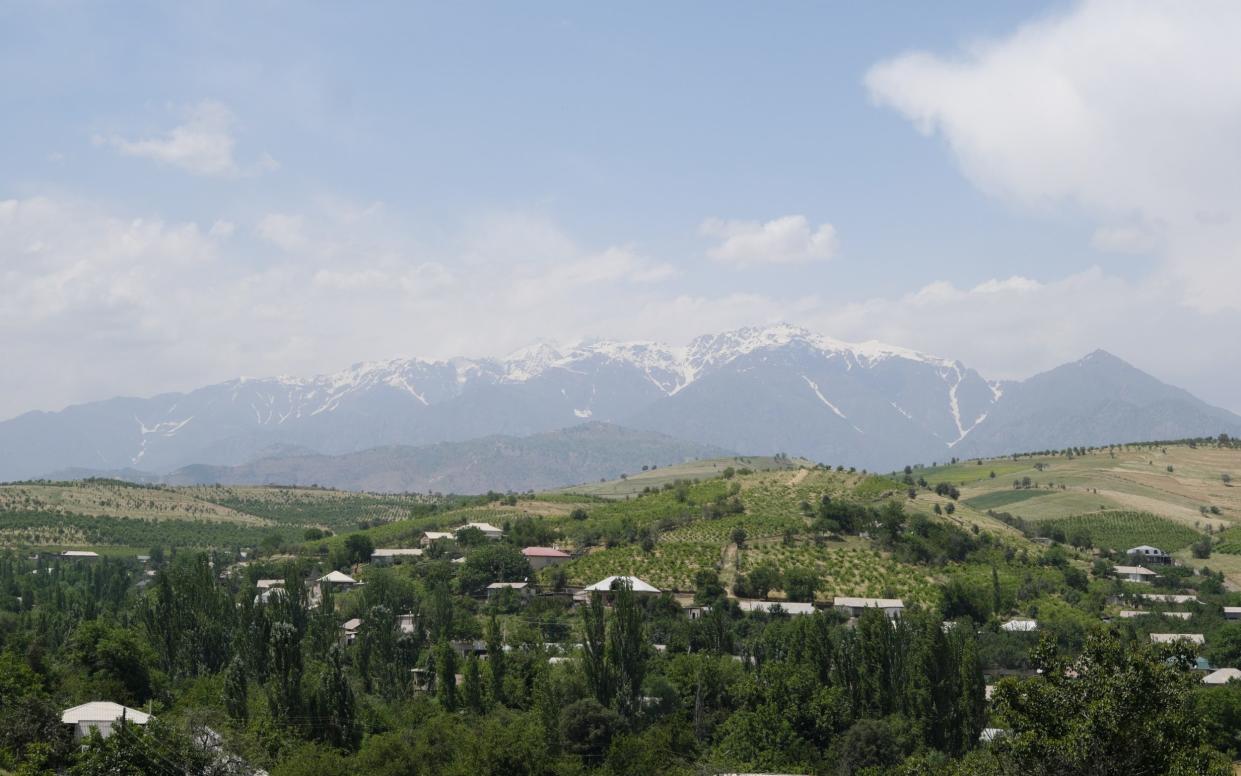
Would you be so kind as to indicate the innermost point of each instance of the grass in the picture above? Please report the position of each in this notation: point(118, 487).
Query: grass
point(636, 482)
point(1122, 530)
point(1003, 498)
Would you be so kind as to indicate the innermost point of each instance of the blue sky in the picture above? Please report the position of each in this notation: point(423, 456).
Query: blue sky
point(200, 191)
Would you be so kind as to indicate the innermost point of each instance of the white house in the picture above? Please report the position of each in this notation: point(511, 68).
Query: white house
point(1146, 555)
point(542, 557)
point(487, 529)
point(349, 631)
point(101, 716)
point(1173, 638)
point(788, 607)
point(1020, 626)
point(1232, 612)
point(386, 557)
point(1135, 573)
point(854, 607)
point(338, 580)
point(1222, 676)
point(635, 584)
point(434, 536)
point(268, 584)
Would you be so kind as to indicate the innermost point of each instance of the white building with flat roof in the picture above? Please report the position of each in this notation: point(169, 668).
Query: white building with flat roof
point(102, 716)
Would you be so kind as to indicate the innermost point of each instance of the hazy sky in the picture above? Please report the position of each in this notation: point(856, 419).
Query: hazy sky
point(190, 192)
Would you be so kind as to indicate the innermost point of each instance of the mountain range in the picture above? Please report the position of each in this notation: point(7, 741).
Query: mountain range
point(754, 390)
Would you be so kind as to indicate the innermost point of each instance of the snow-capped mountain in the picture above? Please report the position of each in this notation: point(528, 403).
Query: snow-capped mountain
point(754, 390)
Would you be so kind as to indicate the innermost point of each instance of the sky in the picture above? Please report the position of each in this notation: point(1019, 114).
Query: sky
point(191, 192)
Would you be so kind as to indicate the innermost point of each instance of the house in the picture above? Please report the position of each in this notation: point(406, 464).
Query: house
point(542, 557)
point(428, 537)
point(1173, 638)
point(854, 607)
point(268, 584)
point(406, 623)
point(79, 555)
point(467, 647)
point(1222, 676)
point(1166, 598)
point(1020, 626)
point(788, 607)
point(338, 580)
point(386, 557)
point(1146, 555)
point(349, 631)
point(1135, 573)
point(1232, 612)
point(611, 583)
point(487, 529)
point(522, 589)
point(102, 716)
point(269, 595)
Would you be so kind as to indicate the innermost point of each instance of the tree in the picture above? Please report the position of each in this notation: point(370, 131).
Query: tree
point(492, 562)
point(1226, 478)
point(587, 727)
point(446, 675)
point(1085, 714)
point(738, 536)
point(358, 547)
point(336, 719)
point(496, 660)
point(236, 692)
point(800, 584)
point(594, 646)
point(473, 686)
point(627, 651)
point(285, 662)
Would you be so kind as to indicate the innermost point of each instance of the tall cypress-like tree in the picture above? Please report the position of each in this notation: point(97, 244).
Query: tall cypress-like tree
point(446, 675)
point(286, 671)
point(236, 691)
point(336, 718)
point(627, 651)
point(594, 658)
point(496, 660)
point(473, 686)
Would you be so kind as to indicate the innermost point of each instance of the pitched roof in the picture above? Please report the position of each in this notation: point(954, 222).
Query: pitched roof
point(635, 584)
point(1222, 676)
point(502, 585)
point(352, 625)
point(433, 535)
point(1140, 570)
point(102, 711)
point(484, 527)
point(1020, 626)
point(79, 554)
point(338, 578)
point(789, 607)
point(1172, 638)
point(543, 552)
point(389, 553)
point(1146, 549)
point(1165, 598)
point(264, 584)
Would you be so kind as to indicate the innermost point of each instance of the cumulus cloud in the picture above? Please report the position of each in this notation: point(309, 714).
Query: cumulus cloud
point(785, 240)
point(202, 145)
point(1127, 111)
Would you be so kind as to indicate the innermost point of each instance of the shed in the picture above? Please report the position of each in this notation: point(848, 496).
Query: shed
point(1232, 612)
point(338, 580)
point(79, 555)
point(522, 589)
point(611, 583)
point(787, 607)
point(1135, 573)
point(434, 536)
point(487, 529)
point(388, 556)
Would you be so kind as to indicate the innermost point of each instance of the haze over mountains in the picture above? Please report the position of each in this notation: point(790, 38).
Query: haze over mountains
point(754, 390)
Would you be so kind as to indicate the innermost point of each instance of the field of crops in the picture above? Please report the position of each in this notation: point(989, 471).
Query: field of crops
point(1122, 530)
point(846, 570)
point(1003, 498)
point(1229, 542)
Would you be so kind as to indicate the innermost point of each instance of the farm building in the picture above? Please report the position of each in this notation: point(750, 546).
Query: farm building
point(1135, 573)
point(268, 584)
point(79, 555)
point(1146, 555)
point(1173, 638)
point(487, 529)
point(387, 557)
point(854, 607)
point(1127, 613)
point(1020, 626)
point(1222, 676)
point(1232, 612)
point(522, 589)
point(101, 716)
point(788, 607)
point(434, 536)
point(542, 557)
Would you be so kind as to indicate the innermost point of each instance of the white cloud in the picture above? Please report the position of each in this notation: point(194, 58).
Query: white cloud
point(284, 230)
point(785, 240)
point(1127, 111)
point(203, 144)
